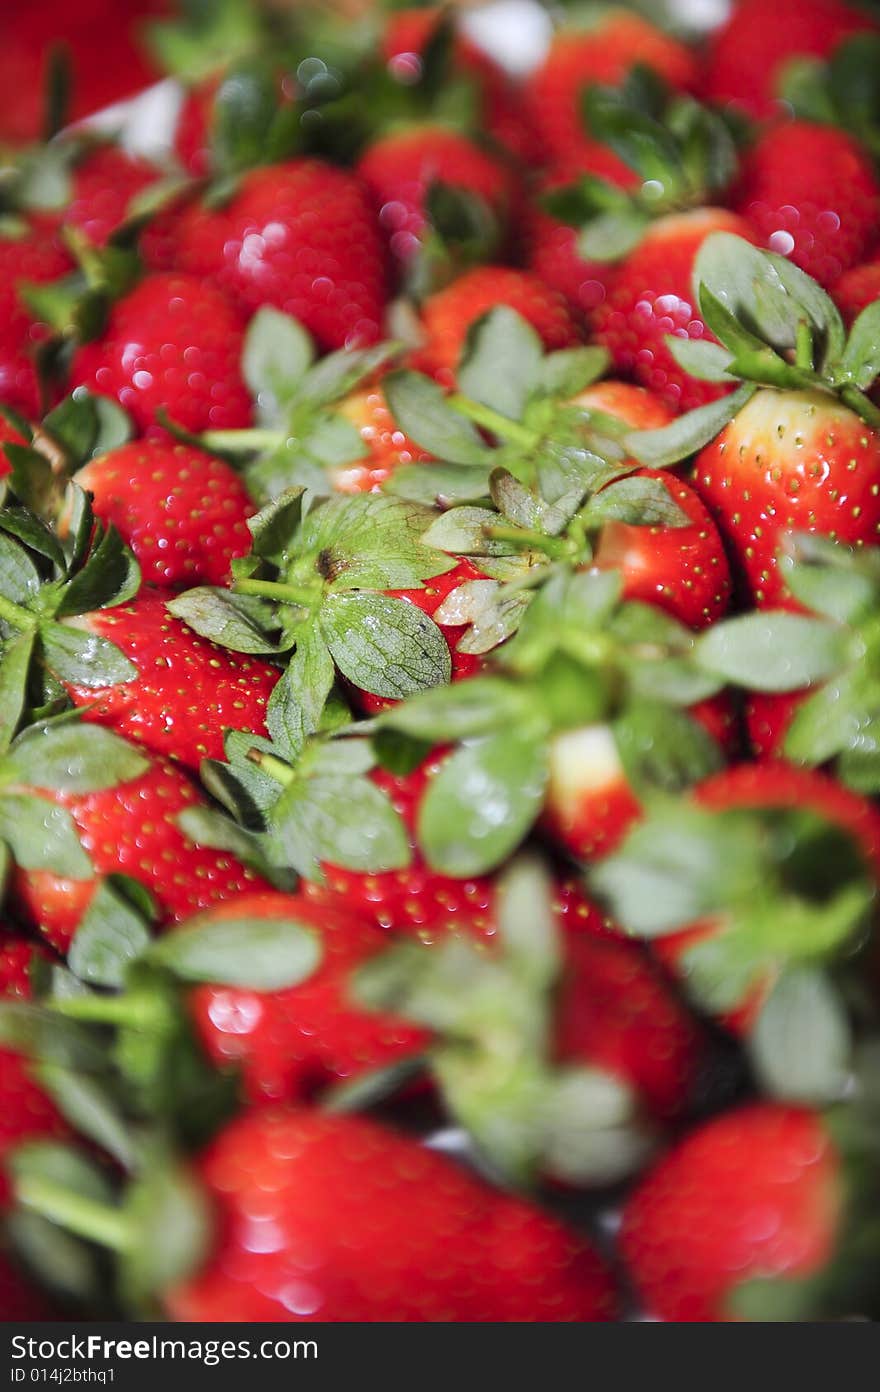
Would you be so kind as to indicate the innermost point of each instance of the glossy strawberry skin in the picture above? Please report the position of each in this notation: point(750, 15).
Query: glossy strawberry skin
point(385, 443)
point(448, 314)
point(132, 829)
point(369, 1226)
point(810, 193)
point(753, 1193)
point(856, 289)
point(650, 296)
point(104, 183)
point(590, 805)
point(416, 901)
point(188, 691)
point(302, 237)
point(603, 54)
point(795, 461)
point(616, 1013)
point(399, 168)
point(173, 343)
point(746, 55)
point(183, 512)
point(37, 258)
point(288, 1043)
point(768, 717)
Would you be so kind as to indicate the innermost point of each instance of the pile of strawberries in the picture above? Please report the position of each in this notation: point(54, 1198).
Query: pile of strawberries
point(440, 679)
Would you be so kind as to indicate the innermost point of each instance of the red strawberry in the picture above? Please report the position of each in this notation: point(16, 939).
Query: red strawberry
point(447, 315)
point(856, 289)
point(183, 513)
point(552, 245)
point(368, 1225)
point(415, 901)
point(649, 296)
point(590, 805)
point(794, 460)
point(756, 1193)
point(173, 343)
point(188, 690)
point(19, 1300)
point(300, 236)
point(34, 257)
point(747, 55)
point(130, 828)
point(289, 1042)
point(399, 169)
point(616, 1013)
point(386, 443)
point(604, 54)
point(810, 193)
point(768, 716)
point(104, 183)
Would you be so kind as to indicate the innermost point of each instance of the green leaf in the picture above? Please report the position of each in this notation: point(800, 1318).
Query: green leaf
point(701, 358)
point(90, 1108)
point(482, 802)
point(528, 928)
point(861, 358)
point(111, 935)
point(42, 837)
point(669, 444)
point(831, 579)
point(337, 374)
point(460, 711)
point(83, 659)
point(663, 748)
point(640, 502)
point(298, 700)
point(800, 1044)
point(569, 371)
point(827, 722)
point(501, 366)
point(239, 622)
point(371, 541)
point(773, 650)
point(173, 1224)
point(346, 821)
point(256, 953)
point(612, 236)
point(19, 577)
point(440, 485)
point(462, 531)
point(110, 576)
point(15, 664)
point(70, 757)
point(386, 646)
point(591, 1131)
point(423, 413)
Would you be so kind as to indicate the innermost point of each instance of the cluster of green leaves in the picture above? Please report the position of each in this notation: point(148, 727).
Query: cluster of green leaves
point(842, 90)
point(684, 155)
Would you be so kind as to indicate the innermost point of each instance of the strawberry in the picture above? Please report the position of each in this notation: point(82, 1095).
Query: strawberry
point(172, 344)
point(856, 289)
point(183, 512)
point(300, 236)
point(103, 183)
point(187, 691)
point(748, 53)
point(114, 812)
point(753, 1195)
point(402, 169)
point(387, 447)
point(768, 717)
point(810, 193)
point(394, 1232)
point(34, 257)
point(447, 315)
point(649, 298)
point(590, 803)
point(766, 822)
point(603, 54)
point(289, 1042)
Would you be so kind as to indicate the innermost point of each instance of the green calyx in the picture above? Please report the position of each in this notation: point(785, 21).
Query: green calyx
point(491, 1013)
point(579, 657)
point(775, 328)
point(774, 889)
point(684, 155)
point(842, 91)
point(317, 581)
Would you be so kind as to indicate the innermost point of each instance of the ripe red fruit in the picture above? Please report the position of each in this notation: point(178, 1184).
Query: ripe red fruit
point(188, 690)
point(300, 236)
point(590, 805)
point(173, 343)
point(183, 512)
point(650, 295)
point(415, 901)
point(386, 443)
point(104, 183)
point(603, 53)
point(290, 1042)
point(755, 1193)
point(768, 716)
point(132, 829)
point(447, 315)
point(399, 168)
point(794, 460)
point(747, 54)
point(810, 193)
point(368, 1225)
point(37, 258)
point(856, 289)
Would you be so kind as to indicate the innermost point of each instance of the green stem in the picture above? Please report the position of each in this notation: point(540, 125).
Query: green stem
point(241, 441)
point(273, 589)
point(524, 536)
point(494, 422)
point(274, 767)
point(97, 1222)
point(803, 352)
point(144, 1011)
point(16, 615)
point(857, 401)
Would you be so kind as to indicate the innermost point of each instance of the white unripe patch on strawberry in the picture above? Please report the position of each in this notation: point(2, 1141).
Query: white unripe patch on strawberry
point(583, 763)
